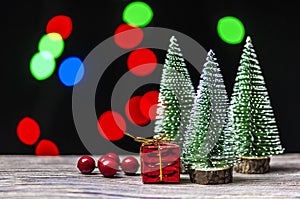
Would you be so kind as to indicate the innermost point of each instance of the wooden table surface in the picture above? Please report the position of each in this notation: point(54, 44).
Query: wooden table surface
point(58, 177)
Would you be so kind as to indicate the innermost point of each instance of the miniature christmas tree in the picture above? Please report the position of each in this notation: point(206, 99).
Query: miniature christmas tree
point(251, 117)
point(176, 96)
point(208, 148)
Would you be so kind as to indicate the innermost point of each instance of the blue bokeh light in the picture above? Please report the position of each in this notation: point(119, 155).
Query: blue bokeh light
point(71, 71)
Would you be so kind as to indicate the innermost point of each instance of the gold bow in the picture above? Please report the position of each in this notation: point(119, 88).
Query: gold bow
point(156, 140)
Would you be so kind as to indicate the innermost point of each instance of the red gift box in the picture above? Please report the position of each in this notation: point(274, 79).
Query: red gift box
point(160, 162)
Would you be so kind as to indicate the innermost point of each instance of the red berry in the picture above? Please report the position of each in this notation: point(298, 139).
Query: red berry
point(101, 158)
point(130, 165)
point(107, 166)
point(113, 156)
point(86, 164)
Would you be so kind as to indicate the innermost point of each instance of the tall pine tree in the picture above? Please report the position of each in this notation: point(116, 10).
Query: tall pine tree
point(207, 145)
point(176, 95)
point(251, 117)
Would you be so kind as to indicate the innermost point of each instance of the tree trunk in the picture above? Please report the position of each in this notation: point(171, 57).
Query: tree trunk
point(211, 176)
point(253, 165)
point(184, 169)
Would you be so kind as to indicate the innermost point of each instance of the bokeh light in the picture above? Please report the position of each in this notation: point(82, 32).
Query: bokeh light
point(71, 71)
point(130, 36)
point(52, 43)
point(142, 62)
point(46, 148)
point(28, 131)
point(231, 30)
point(111, 125)
point(148, 104)
point(60, 24)
point(133, 113)
point(42, 65)
point(137, 14)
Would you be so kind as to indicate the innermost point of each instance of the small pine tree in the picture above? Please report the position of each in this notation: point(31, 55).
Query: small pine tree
point(176, 95)
point(207, 144)
point(251, 117)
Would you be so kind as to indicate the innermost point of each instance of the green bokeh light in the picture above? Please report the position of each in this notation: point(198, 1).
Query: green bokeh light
point(53, 43)
point(231, 30)
point(42, 65)
point(137, 14)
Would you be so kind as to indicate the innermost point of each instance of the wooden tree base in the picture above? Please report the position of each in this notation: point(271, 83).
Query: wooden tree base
point(253, 165)
point(211, 176)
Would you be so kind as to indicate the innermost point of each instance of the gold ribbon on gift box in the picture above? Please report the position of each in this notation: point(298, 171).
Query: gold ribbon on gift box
point(156, 141)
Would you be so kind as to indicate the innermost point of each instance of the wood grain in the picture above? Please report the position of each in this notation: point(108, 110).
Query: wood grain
point(58, 177)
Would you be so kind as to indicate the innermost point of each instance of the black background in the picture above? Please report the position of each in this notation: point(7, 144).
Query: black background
point(272, 25)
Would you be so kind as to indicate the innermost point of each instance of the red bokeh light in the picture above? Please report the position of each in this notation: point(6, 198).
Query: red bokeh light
point(142, 62)
point(148, 104)
point(133, 113)
point(111, 125)
point(60, 24)
point(130, 39)
point(46, 148)
point(28, 131)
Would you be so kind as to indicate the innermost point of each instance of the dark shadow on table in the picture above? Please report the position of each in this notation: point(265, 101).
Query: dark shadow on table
point(244, 180)
point(185, 181)
point(134, 174)
point(284, 170)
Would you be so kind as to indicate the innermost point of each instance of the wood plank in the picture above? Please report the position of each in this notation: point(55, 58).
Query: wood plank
point(58, 177)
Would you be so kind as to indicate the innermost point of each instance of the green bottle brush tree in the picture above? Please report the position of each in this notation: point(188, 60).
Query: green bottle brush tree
point(176, 95)
point(208, 150)
point(251, 117)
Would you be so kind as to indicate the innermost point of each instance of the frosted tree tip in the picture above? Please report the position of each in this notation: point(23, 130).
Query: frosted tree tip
point(173, 39)
point(248, 39)
point(210, 53)
point(210, 56)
